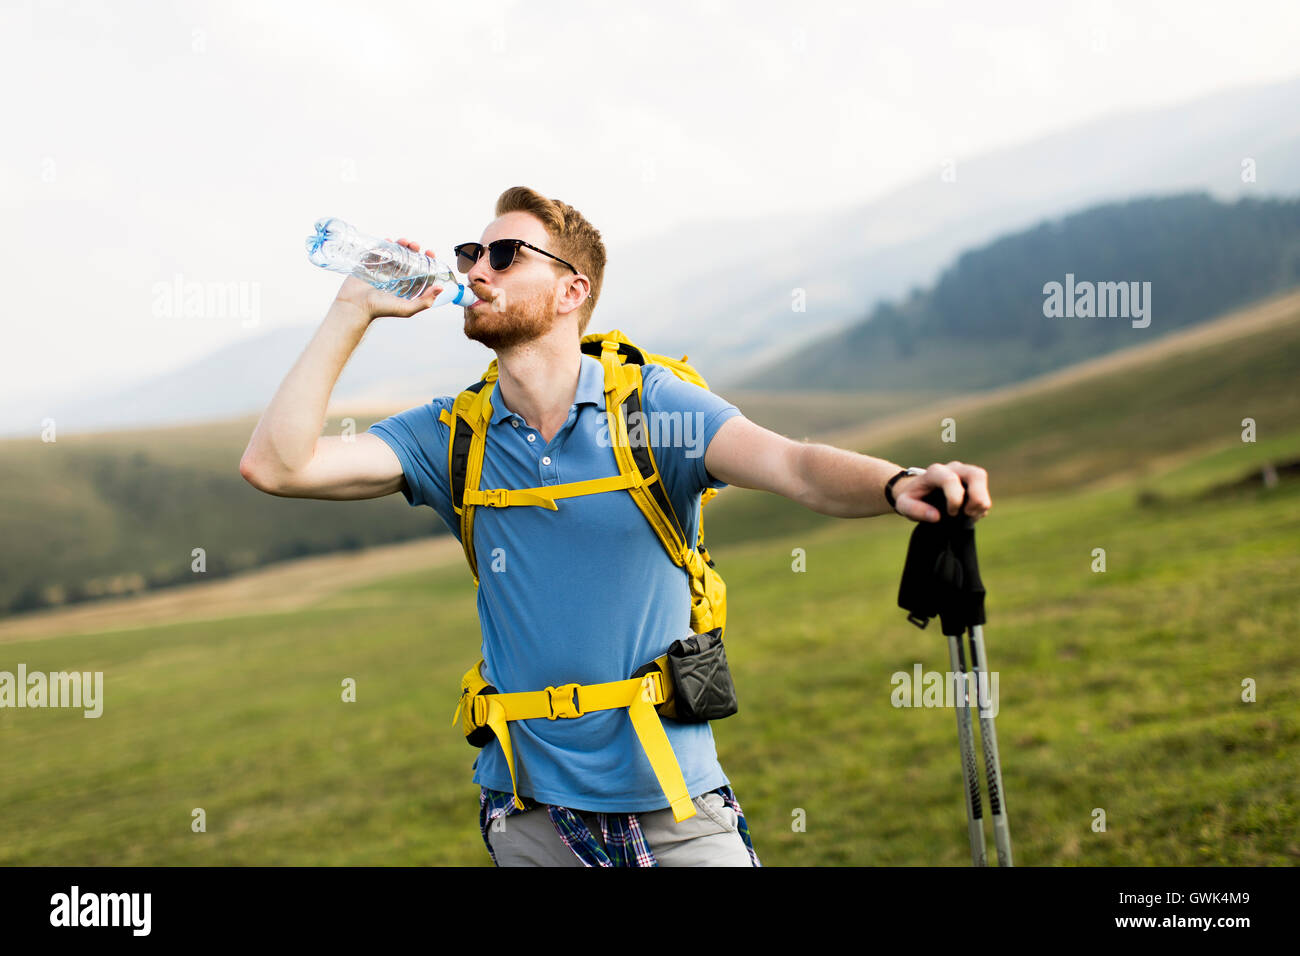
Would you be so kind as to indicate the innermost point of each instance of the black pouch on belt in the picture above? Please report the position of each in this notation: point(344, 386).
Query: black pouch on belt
point(702, 686)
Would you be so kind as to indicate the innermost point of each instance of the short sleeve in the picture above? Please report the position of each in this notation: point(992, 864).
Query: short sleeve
point(419, 439)
point(684, 418)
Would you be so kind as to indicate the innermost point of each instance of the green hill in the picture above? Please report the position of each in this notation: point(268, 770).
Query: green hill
point(1119, 691)
point(983, 323)
point(1117, 419)
point(121, 512)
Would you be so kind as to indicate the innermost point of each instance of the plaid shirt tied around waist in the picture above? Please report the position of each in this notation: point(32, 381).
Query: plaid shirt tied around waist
point(624, 844)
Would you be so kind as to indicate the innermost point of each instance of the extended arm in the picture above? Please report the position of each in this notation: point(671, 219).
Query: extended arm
point(834, 481)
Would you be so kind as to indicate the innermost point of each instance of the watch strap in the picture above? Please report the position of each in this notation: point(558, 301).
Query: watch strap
point(889, 489)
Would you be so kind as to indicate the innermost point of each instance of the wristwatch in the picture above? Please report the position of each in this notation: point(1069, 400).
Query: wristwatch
point(889, 486)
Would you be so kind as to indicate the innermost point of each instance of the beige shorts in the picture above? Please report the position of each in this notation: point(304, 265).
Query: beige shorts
point(710, 838)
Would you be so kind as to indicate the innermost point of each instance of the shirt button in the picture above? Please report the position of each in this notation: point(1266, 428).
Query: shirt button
point(532, 437)
point(515, 422)
point(546, 460)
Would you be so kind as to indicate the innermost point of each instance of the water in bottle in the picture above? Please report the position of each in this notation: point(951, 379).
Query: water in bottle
point(387, 266)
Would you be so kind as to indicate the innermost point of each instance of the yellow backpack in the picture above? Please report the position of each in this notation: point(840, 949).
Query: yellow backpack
point(481, 710)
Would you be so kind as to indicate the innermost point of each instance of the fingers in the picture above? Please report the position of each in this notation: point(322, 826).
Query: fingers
point(907, 498)
point(978, 500)
point(954, 491)
point(942, 476)
point(916, 509)
point(964, 486)
point(433, 291)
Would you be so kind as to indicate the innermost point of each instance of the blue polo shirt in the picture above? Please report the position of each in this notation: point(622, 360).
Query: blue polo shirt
point(582, 594)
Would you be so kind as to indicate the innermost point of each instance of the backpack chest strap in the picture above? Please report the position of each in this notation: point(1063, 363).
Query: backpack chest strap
point(544, 496)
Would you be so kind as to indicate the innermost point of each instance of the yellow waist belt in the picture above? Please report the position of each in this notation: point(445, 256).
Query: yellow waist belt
point(639, 695)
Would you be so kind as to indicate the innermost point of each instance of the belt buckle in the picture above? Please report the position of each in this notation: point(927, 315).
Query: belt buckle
point(563, 700)
point(652, 688)
point(494, 497)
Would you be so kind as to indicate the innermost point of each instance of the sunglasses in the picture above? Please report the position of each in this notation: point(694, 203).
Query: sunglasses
point(501, 254)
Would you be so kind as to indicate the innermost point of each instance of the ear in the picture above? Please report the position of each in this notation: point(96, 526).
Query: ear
point(575, 295)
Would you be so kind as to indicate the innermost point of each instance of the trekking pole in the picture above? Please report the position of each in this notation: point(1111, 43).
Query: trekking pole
point(966, 744)
point(941, 578)
point(992, 764)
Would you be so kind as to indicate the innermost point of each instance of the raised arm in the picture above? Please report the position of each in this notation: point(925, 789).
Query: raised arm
point(286, 455)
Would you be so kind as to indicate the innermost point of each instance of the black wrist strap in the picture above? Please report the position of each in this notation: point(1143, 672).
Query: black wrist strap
point(889, 489)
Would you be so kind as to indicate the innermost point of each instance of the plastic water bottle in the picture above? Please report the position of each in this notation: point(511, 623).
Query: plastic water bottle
point(387, 266)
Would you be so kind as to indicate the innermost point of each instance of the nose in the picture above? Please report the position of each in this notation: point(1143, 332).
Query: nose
point(480, 273)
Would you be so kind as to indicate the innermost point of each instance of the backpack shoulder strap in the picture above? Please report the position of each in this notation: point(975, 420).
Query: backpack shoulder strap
point(468, 420)
point(621, 363)
point(623, 389)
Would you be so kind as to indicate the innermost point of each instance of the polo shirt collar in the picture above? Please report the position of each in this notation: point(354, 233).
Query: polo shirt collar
point(591, 389)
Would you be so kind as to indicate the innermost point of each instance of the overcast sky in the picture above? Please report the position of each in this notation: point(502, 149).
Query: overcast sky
point(143, 142)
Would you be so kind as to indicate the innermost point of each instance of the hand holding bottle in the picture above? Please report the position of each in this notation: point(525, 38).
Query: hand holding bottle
point(375, 303)
point(385, 277)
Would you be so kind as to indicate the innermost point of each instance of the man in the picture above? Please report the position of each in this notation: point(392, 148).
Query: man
point(584, 594)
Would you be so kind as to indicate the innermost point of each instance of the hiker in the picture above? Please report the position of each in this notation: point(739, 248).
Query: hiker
point(588, 572)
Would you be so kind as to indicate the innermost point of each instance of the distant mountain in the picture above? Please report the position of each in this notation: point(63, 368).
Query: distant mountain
point(850, 260)
point(1065, 290)
point(722, 292)
point(411, 359)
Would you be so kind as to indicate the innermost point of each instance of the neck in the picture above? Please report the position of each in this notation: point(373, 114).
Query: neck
point(538, 380)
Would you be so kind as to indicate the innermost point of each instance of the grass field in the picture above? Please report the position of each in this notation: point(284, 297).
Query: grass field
point(1119, 691)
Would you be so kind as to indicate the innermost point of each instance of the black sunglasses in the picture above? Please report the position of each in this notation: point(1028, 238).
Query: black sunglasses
point(501, 254)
